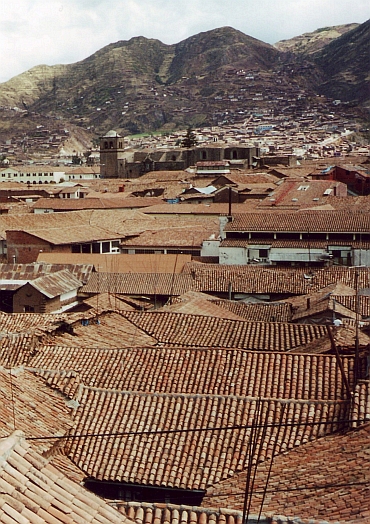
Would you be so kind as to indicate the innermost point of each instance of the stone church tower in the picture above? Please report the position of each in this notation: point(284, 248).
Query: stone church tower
point(112, 162)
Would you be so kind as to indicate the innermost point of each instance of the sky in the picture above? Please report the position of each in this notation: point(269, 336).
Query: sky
point(35, 32)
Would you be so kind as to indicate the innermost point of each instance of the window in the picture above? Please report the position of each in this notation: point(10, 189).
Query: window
point(105, 247)
point(29, 309)
point(263, 253)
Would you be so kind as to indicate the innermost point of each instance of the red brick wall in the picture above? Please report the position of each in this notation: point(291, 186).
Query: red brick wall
point(26, 247)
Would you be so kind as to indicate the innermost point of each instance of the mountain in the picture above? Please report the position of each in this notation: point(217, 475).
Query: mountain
point(212, 77)
point(312, 42)
point(346, 64)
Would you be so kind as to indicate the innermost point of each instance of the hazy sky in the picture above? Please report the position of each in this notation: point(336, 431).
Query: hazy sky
point(35, 32)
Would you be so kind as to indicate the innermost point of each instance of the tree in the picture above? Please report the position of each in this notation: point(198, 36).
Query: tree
point(76, 160)
point(190, 139)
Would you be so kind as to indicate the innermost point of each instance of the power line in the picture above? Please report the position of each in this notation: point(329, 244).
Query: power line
point(199, 430)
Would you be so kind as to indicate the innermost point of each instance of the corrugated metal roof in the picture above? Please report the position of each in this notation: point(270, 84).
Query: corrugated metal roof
point(56, 283)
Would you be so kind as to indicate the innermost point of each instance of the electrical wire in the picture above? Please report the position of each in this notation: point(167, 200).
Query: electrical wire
point(199, 430)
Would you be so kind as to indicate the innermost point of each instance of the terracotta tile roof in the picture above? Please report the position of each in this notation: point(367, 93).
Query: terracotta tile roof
point(107, 330)
point(165, 176)
point(269, 312)
point(16, 348)
point(248, 279)
point(270, 280)
point(320, 301)
point(108, 302)
point(190, 236)
point(32, 490)
point(361, 403)
point(350, 303)
point(198, 305)
point(356, 202)
point(295, 194)
point(344, 337)
point(201, 331)
point(117, 263)
point(139, 284)
point(65, 466)
point(179, 452)
point(77, 204)
point(260, 312)
point(28, 404)
point(199, 209)
point(249, 178)
point(91, 225)
point(150, 513)
point(315, 244)
point(345, 275)
point(326, 305)
point(327, 480)
point(16, 323)
point(302, 221)
point(194, 371)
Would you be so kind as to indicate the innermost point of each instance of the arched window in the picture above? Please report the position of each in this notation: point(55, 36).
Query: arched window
point(173, 158)
point(111, 145)
point(105, 145)
point(234, 154)
point(204, 155)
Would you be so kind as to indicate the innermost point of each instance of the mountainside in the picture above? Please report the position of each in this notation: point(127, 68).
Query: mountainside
point(346, 64)
point(143, 85)
point(312, 42)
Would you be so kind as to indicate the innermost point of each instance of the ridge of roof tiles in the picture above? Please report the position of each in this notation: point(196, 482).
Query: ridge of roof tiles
point(328, 478)
point(195, 371)
point(196, 330)
point(180, 452)
point(33, 491)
